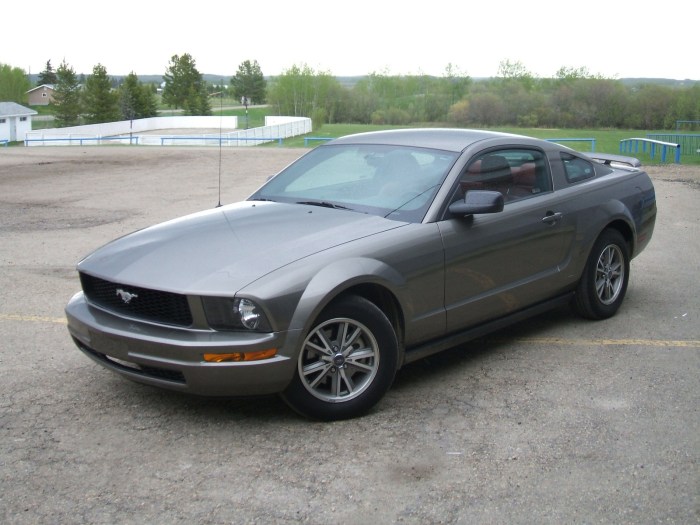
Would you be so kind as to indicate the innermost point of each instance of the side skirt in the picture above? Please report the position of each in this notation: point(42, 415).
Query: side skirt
point(438, 345)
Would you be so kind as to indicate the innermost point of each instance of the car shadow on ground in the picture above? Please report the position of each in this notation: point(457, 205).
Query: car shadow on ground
point(474, 353)
point(429, 373)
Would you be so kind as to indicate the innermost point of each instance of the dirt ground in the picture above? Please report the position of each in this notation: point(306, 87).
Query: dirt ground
point(73, 186)
point(556, 420)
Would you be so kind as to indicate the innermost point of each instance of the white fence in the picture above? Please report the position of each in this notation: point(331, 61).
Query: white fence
point(141, 132)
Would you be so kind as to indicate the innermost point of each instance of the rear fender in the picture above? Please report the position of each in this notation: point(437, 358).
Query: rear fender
point(613, 213)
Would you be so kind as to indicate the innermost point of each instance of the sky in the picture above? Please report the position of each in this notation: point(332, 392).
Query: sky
point(613, 38)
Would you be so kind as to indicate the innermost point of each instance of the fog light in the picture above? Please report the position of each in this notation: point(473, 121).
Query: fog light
point(240, 356)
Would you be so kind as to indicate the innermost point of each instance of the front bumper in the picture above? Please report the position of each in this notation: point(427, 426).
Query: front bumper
point(172, 358)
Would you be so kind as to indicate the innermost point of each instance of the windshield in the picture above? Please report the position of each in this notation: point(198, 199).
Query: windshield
point(395, 182)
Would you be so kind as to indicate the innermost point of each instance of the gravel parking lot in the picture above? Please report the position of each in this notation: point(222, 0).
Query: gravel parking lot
point(556, 420)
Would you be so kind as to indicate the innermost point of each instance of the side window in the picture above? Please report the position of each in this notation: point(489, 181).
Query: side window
point(516, 173)
point(576, 168)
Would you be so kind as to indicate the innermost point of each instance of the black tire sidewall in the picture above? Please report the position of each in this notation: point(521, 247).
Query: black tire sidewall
point(365, 312)
point(587, 302)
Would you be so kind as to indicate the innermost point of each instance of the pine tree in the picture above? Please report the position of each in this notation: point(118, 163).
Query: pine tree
point(136, 100)
point(66, 96)
point(185, 87)
point(100, 103)
point(48, 76)
point(249, 82)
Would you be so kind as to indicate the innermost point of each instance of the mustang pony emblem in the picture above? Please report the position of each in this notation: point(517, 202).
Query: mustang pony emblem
point(126, 296)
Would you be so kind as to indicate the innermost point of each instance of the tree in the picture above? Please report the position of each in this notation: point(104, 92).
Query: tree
point(459, 113)
point(687, 107)
point(66, 96)
point(516, 71)
point(48, 76)
point(301, 92)
point(487, 108)
point(456, 84)
point(13, 84)
point(358, 105)
point(185, 87)
point(570, 73)
point(249, 82)
point(292, 91)
point(136, 100)
point(652, 104)
point(100, 102)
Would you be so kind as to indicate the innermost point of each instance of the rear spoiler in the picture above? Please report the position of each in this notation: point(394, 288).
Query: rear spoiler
point(607, 159)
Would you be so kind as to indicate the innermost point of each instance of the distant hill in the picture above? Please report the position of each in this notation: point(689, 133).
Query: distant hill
point(349, 82)
point(658, 81)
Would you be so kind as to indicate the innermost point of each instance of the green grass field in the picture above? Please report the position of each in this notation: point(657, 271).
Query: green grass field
point(606, 140)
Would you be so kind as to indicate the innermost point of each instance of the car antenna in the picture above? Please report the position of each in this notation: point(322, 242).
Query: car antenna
point(221, 118)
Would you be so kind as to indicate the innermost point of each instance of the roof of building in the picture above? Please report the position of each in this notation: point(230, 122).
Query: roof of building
point(12, 109)
point(47, 86)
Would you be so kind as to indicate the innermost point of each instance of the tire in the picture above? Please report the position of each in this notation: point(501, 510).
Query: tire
point(347, 362)
point(602, 287)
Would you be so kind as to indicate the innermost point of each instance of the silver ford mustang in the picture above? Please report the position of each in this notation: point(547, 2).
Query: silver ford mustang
point(368, 252)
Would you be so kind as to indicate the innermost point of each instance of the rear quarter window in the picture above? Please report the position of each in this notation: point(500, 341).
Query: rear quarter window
point(576, 168)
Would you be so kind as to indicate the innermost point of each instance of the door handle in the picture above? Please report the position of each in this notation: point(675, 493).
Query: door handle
point(552, 217)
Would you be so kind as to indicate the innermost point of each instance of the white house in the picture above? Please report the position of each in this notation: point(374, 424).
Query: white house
point(15, 121)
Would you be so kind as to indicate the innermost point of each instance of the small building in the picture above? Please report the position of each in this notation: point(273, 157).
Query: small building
point(41, 95)
point(15, 121)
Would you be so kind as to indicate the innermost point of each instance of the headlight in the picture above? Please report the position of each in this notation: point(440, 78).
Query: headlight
point(235, 314)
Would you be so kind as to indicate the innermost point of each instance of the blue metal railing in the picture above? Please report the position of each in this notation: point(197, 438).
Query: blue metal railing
point(690, 144)
point(222, 139)
point(307, 139)
point(591, 140)
point(691, 122)
point(81, 140)
point(632, 146)
point(135, 139)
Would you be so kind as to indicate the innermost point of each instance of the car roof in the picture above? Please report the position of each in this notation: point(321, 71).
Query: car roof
point(438, 138)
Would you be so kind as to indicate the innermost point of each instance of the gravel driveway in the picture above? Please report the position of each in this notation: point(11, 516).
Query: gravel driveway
point(555, 420)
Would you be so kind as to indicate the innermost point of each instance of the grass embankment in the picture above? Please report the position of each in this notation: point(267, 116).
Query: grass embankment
point(606, 140)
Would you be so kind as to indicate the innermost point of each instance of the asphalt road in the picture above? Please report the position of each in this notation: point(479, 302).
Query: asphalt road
point(556, 420)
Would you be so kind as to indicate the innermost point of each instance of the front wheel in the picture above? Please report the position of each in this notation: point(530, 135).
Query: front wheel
point(347, 362)
point(604, 282)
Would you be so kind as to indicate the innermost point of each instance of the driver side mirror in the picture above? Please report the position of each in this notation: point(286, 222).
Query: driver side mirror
point(478, 201)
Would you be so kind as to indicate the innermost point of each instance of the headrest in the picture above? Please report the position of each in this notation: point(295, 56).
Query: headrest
point(494, 163)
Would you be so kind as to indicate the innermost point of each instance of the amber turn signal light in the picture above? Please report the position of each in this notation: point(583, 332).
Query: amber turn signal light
point(240, 356)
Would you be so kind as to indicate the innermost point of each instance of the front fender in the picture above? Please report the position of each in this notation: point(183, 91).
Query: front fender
point(338, 276)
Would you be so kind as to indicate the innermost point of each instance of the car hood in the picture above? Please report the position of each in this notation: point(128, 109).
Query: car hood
point(219, 251)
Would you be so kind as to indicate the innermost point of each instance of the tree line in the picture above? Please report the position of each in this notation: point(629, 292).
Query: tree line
point(98, 98)
point(572, 98)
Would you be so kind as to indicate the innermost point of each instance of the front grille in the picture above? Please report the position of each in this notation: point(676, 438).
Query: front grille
point(140, 303)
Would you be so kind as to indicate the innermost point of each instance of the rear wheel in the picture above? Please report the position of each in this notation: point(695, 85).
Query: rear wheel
point(604, 282)
point(347, 362)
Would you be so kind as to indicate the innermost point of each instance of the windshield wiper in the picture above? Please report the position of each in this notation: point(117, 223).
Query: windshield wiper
point(325, 204)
